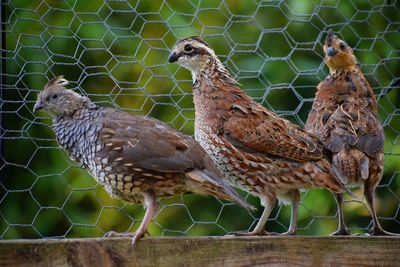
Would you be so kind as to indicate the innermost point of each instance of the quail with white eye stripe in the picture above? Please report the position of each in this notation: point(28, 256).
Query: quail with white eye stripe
point(136, 158)
point(254, 148)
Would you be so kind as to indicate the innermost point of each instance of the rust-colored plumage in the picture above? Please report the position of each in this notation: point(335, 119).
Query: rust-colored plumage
point(345, 118)
point(254, 148)
point(136, 158)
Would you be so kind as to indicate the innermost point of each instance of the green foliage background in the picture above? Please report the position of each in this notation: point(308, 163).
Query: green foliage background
point(116, 53)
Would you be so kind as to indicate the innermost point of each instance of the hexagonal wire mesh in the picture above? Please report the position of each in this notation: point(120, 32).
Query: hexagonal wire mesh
point(115, 52)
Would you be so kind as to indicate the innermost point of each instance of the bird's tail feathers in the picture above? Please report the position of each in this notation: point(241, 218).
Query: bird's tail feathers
point(203, 181)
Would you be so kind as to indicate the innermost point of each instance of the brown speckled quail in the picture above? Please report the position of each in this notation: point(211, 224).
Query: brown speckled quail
point(136, 158)
point(254, 148)
point(345, 117)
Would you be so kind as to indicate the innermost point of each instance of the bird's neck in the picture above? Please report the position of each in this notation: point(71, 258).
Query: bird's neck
point(345, 72)
point(214, 93)
point(76, 111)
point(213, 69)
point(349, 68)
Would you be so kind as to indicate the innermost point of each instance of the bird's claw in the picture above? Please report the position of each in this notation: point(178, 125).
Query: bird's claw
point(341, 231)
point(135, 235)
point(378, 231)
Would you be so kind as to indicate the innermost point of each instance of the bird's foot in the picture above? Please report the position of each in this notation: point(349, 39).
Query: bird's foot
point(117, 234)
point(252, 233)
point(378, 231)
point(341, 231)
point(289, 232)
point(135, 235)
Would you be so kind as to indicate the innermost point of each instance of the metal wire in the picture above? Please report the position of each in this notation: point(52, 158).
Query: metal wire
point(115, 52)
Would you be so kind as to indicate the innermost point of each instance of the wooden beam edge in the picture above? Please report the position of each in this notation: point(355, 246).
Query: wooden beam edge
point(204, 251)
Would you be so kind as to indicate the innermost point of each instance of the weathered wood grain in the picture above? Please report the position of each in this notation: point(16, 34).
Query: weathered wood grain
point(204, 251)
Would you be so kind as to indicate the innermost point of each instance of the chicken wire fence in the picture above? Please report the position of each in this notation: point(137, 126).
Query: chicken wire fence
point(115, 52)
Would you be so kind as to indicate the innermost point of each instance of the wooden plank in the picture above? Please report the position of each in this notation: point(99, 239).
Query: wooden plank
point(204, 251)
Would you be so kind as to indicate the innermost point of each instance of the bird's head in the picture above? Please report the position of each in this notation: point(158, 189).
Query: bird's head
point(192, 53)
point(197, 56)
point(56, 100)
point(338, 55)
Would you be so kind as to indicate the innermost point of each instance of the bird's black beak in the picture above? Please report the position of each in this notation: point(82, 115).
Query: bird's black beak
point(329, 40)
point(173, 57)
point(331, 51)
point(38, 106)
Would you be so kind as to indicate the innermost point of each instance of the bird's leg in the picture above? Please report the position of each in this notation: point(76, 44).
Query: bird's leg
point(295, 199)
point(342, 228)
point(150, 203)
point(376, 228)
point(268, 202)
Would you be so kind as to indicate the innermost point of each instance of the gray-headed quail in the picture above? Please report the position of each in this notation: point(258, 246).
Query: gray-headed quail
point(254, 148)
point(344, 116)
point(136, 158)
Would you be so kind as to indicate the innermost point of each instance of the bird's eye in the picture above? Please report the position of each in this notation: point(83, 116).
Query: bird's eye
point(55, 96)
point(188, 48)
point(342, 45)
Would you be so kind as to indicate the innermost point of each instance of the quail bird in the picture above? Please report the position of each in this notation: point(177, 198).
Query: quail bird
point(253, 147)
point(136, 158)
point(344, 116)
